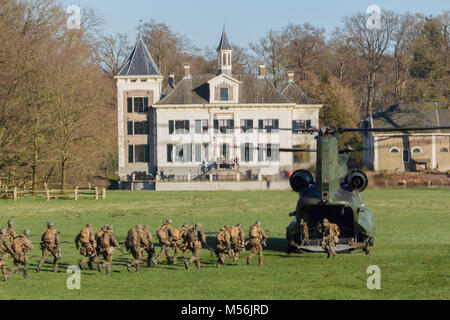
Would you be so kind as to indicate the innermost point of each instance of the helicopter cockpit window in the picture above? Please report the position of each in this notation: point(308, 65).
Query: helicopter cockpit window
point(416, 150)
point(395, 150)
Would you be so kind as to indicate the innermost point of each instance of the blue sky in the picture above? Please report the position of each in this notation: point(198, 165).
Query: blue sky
point(245, 20)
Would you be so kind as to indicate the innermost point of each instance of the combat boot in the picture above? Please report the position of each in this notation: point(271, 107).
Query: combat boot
point(155, 262)
point(38, 269)
point(129, 265)
point(197, 263)
point(186, 265)
point(248, 260)
point(80, 264)
point(169, 261)
point(6, 276)
point(100, 267)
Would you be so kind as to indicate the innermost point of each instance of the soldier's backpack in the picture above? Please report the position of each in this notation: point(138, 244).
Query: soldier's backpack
point(235, 233)
point(220, 236)
point(191, 235)
point(105, 240)
point(84, 235)
point(49, 235)
point(176, 234)
point(130, 240)
point(17, 245)
point(162, 232)
point(254, 233)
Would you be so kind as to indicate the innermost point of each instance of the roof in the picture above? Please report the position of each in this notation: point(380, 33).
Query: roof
point(140, 62)
point(195, 90)
point(295, 94)
point(413, 115)
point(224, 44)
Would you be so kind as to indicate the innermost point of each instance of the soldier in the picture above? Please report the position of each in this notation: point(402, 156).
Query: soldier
point(223, 246)
point(151, 248)
point(237, 239)
point(20, 246)
point(88, 245)
point(12, 234)
point(50, 243)
point(136, 242)
point(178, 242)
point(194, 237)
point(5, 248)
point(165, 234)
point(257, 236)
point(330, 236)
point(303, 227)
point(106, 244)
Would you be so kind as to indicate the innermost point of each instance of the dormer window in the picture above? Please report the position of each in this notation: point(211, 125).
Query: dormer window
point(223, 94)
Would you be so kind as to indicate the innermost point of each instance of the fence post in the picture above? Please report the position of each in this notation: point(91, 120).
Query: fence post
point(15, 193)
point(189, 175)
point(238, 177)
point(96, 193)
point(104, 193)
point(47, 194)
point(76, 193)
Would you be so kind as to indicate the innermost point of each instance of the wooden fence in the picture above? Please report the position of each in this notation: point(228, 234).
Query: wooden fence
point(47, 194)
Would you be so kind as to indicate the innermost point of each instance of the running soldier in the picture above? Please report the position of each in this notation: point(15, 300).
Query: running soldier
point(21, 246)
point(178, 242)
point(193, 238)
point(136, 243)
point(165, 234)
point(5, 249)
point(257, 236)
point(88, 246)
point(237, 239)
point(12, 234)
point(50, 243)
point(106, 244)
point(151, 248)
point(223, 246)
point(330, 236)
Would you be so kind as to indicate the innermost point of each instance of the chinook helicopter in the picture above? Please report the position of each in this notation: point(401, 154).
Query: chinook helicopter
point(335, 194)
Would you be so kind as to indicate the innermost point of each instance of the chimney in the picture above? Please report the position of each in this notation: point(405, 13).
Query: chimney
point(187, 70)
point(290, 76)
point(262, 70)
point(172, 80)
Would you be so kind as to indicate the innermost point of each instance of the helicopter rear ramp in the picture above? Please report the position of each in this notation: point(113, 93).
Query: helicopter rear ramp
point(345, 245)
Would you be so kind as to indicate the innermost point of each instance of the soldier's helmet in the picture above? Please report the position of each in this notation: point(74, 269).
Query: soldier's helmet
point(10, 223)
point(146, 227)
point(239, 224)
point(184, 225)
point(105, 227)
point(169, 221)
point(325, 220)
point(3, 230)
point(89, 225)
point(110, 228)
point(227, 226)
point(27, 232)
point(50, 225)
point(198, 226)
point(258, 223)
point(139, 226)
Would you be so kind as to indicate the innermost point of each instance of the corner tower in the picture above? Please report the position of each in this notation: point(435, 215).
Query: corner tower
point(224, 50)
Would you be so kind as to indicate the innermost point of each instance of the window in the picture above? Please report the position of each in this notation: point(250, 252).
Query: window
point(141, 127)
point(395, 150)
point(180, 126)
point(183, 153)
point(405, 156)
point(416, 150)
point(138, 153)
point(300, 124)
point(224, 126)
point(223, 94)
point(137, 104)
point(247, 152)
point(443, 150)
point(201, 126)
point(205, 126)
point(272, 152)
point(247, 126)
point(270, 125)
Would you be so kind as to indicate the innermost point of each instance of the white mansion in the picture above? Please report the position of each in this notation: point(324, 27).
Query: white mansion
point(208, 117)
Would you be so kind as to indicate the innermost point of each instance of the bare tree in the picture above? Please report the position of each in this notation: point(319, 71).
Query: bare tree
point(113, 51)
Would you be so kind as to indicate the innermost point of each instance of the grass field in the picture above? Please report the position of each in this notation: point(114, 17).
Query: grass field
point(411, 248)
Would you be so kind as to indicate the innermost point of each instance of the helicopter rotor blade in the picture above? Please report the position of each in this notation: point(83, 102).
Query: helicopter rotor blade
point(390, 129)
point(296, 150)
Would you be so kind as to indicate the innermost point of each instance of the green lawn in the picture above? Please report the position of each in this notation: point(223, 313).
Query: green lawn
point(411, 248)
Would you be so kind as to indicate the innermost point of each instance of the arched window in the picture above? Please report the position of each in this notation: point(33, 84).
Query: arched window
point(443, 150)
point(416, 150)
point(395, 150)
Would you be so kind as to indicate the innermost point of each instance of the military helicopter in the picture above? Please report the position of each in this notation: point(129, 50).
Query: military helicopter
point(334, 194)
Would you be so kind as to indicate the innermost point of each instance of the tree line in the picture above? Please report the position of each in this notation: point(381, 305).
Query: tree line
point(58, 98)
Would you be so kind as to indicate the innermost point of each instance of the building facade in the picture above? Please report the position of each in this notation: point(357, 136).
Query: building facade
point(209, 118)
point(409, 151)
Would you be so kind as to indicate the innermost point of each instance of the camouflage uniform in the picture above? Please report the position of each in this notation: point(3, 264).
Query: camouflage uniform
point(257, 234)
point(5, 249)
point(12, 234)
point(178, 242)
point(50, 243)
point(303, 227)
point(151, 248)
point(106, 244)
point(330, 236)
point(165, 234)
point(20, 246)
point(136, 243)
point(223, 246)
point(88, 246)
point(237, 239)
point(194, 237)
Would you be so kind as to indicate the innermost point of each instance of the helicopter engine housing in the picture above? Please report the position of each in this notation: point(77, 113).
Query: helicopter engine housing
point(357, 180)
point(300, 180)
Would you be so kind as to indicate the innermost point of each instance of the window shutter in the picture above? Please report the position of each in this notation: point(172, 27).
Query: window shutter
point(198, 126)
point(130, 105)
point(146, 151)
point(308, 124)
point(188, 155)
point(216, 126)
point(130, 127)
point(145, 104)
point(260, 152)
point(231, 125)
point(146, 127)
point(275, 152)
point(198, 152)
point(130, 154)
point(243, 152)
point(250, 126)
point(169, 152)
point(170, 126)
point(186, 126)
point(260, 125)
point(275, 124)
point(250, 153)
